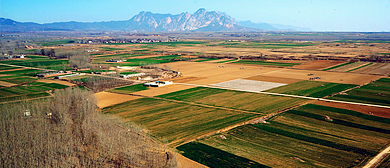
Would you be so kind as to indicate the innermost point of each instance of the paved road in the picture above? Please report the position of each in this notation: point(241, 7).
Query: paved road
point(378, 158)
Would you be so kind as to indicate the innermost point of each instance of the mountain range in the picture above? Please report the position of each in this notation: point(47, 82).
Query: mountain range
point(201, 20)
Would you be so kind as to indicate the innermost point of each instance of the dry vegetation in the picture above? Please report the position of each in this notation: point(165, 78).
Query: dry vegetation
point(75, 135)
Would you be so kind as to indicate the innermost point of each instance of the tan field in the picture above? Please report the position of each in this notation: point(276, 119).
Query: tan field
point(6, 84)
point(106, 99)
point(155, 91)
point(273, 79)
point(376, 111)
point(185, 162)
point(316, 65)
point(210, 73)
point(56, 81)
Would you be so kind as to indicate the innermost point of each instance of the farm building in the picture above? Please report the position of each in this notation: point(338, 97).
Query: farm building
point(158, 83)
point(50, 74)
point(124, 67)
point(19, 56)
point(111, 60)
point(132, 75)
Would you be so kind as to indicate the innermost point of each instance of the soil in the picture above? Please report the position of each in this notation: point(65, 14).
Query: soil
point(6, 84)
point(212, 73)
point(375, 68)
point(273, 79)
point(185, 162)
point(12, 69)
point(106, 99)
point(56, 81)
point(336, 77)
point(376, 111)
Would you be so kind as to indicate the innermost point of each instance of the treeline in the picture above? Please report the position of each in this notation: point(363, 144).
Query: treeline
point(67, 131)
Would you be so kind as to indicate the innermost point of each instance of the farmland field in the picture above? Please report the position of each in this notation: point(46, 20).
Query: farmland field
point(304, 138)
point(213, 157)
point(40, 63)
point(176, 122)
point(28, 72)
point(269, 63)
point(129, 89)
point(248, 85)
point(254, 102)
point(31, 90)
point(17, 79)
point(337, 66)
point(311, 88)
point(377, 92)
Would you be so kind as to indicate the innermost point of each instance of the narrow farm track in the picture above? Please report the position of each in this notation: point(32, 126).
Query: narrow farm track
point(378, 158)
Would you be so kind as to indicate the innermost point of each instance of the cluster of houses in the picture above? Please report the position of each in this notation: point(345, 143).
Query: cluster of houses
point(6, 56)
point(138, 40)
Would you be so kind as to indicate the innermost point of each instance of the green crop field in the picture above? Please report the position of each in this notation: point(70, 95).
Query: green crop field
point(303, 137)
point(17, 79)
point(129, 89)
point(6, 67)
point(311, 88)
point(174, 122)
point(128, 73)
point(110, 49)
point(259, 103)
point(123, 55)
point(377, 92)
point(213, 157)
point(226, 61)
point(337, 66)
point(38, 63)
point(28, 72)
point(205, 59)
point(31, 90)
point(281, 64)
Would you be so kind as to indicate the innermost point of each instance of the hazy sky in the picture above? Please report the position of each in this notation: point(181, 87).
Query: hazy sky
point(319, 15)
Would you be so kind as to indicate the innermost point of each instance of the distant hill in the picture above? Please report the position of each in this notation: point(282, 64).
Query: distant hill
point(201, 20)
point(267, 26)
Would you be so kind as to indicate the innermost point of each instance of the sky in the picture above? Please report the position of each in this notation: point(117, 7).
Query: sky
point(318, 15)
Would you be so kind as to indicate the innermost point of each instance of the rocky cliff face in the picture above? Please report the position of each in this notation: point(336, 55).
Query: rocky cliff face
point(201, 20)
point(185, 21)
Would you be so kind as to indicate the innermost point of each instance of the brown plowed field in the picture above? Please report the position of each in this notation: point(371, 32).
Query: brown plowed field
point(375, 68)
point(12, 69)
point(348, 67)
point(155, 91)
point(336, 77)
point(211, 73)
point(376, 111)
point(56, 81)
point(106, 99)
point(214, 74)
point(6, 84)
point(273, 79)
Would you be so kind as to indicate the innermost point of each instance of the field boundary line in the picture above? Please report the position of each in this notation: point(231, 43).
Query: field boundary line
point(287, 95)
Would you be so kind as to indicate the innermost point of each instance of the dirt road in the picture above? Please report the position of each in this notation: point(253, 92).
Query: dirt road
point(378, 158)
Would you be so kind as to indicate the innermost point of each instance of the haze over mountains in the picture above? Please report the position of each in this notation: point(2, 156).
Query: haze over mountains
point(201, 20)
